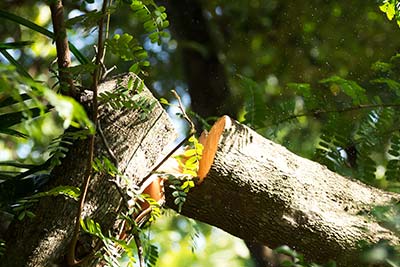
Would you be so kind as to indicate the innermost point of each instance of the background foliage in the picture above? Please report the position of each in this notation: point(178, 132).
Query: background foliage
point(319, 77)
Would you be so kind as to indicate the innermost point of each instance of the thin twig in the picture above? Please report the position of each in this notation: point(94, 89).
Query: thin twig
point(88, 174)
point(106, 144)
point(107, 31)
point(139, 249)
point(185, 116)
point(62, 47)
point(192, 131)
point(114, 159)
point(163, 161)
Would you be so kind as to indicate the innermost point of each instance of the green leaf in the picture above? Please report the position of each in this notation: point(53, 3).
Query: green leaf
point(177, 201)
point(134, 68)
point(15, 45)
point(303, 89)
point(164, 101)
point(6, 15)
point(83, 225)
point(191, 163)
point(388, 8)
point(350, 88)
point(190, 152)
point(199, 149)
point(21, 216)
point(193, 139)
point(19, 67)
point(286, 250)
point(185, 185)
point(30, 214)
point(68, 191)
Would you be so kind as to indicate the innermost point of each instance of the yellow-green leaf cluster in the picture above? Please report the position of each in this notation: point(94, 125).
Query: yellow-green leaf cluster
point(192, 157)
point(390, 8)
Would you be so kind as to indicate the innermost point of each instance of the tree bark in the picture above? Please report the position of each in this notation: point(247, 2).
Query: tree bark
point(259, 191)
point(251, 188)
point(137, 139)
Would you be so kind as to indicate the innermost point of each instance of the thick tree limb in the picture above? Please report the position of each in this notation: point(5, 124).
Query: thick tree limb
point(137, 140)
point(252, 188)
point(259, 191)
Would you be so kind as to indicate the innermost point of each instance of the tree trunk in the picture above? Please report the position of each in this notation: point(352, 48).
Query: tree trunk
point(259, 191)
point(137, 138)
point(251, 188)
point(209, 97)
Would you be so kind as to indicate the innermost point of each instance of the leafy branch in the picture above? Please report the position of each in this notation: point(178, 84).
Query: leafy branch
point(33, 26)
point(319, 112)
point(391, 9)
point(189, 161)
point(127, 47)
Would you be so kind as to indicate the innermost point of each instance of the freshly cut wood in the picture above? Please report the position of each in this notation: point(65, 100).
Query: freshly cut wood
point(210, 143)
point(259, 191)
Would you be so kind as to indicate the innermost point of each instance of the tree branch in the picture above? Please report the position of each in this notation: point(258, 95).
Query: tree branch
point(318, 112)
point(62, 47)
point(259, 191)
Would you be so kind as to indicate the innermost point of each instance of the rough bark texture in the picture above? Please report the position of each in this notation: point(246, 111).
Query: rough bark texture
point(259, 191)
point(255, 189)
point(137, 139)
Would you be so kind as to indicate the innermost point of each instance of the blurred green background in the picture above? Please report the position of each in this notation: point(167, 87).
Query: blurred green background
point(223, 56)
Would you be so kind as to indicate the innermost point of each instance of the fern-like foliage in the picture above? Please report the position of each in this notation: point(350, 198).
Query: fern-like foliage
point(189, 162)
point(153, 17)
point(27, 109)
point(128, 97)
point(357, 124)
point(151, 254)
point(119, 252)
point(350, 88)
point(111, 253)
point(127, 47)
point(393, 165)
point(391, 9)
point(21, 208)
point(254, 104)
point(37, 124)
